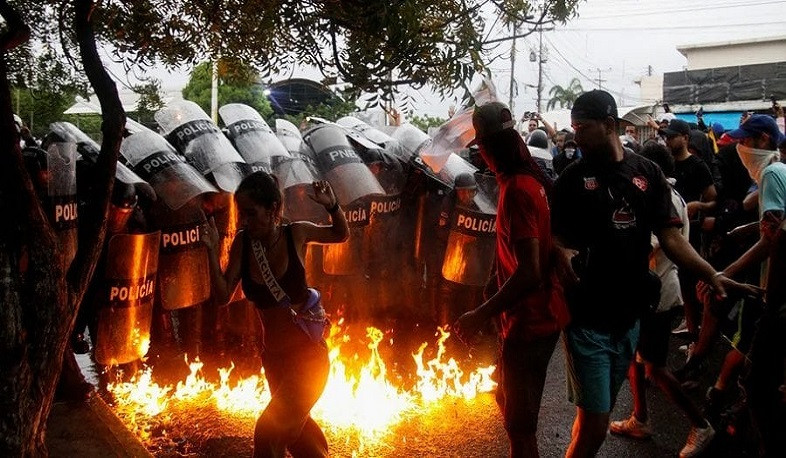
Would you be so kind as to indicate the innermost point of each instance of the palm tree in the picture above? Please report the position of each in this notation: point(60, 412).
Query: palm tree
point(564, 96)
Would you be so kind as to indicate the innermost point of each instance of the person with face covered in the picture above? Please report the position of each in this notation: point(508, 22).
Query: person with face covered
point(528, 304)
point(758, 138)
point(266, 257)
point(569, 154)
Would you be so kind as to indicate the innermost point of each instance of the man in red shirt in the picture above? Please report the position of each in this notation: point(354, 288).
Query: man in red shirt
point(529, 303)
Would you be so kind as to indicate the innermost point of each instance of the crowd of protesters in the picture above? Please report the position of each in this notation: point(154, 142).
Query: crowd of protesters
point(611, 243)
point(639, 241)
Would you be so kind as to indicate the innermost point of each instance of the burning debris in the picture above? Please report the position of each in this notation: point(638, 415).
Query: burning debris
point(366, 408)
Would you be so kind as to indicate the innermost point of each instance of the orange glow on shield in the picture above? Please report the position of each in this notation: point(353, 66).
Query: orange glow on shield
point(231, 230)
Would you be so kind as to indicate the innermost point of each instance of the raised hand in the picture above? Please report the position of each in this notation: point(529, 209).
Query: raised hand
point(323, 194)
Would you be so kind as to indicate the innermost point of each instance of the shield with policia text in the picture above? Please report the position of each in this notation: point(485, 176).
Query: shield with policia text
point(296, 172)
point(61, 188)
point(183, 265)
point(470, 251)
point(354, 184)
point(189, 129)
point(341, 165)
point(251, 136)
point(184, 269)
point(126, 311)
point(152, 158)
point(90, 149)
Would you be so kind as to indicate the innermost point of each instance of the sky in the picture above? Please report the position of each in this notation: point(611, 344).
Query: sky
point(616, 40)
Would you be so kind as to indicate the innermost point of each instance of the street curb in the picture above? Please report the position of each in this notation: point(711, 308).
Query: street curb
point(129, 444)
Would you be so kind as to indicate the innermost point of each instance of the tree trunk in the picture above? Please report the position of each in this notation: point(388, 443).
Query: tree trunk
point(40, 299)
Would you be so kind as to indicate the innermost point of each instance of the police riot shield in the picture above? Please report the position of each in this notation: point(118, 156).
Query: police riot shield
point(193, 134)
point(156, 161)
point(470, 250)
point(61, 184)
point(251, 135)
point(340, 164)
point(348, 258)
point(410, 141)
point(454, 166)
point(89, 149)
point(184, 270)
point(126, 311)
point(371, 133)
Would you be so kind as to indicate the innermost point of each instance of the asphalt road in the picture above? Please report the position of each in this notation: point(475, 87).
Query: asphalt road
point(462, 428)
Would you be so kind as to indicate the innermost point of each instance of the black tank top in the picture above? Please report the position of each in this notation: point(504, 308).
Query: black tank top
point(293, 281)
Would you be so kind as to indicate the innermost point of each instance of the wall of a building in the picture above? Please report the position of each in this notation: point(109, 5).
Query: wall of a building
point(735, 54)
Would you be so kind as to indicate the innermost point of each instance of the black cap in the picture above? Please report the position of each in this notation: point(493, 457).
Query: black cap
point(676, 127)
point(595, 104)
point(490, 118)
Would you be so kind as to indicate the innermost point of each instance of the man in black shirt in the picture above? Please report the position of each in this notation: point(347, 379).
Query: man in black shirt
point(695, 185)
point(604, 208)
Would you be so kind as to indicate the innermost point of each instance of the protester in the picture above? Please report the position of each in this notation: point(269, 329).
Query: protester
point(694, 183)
point(653, 347)
point(267, 259)
point(529, 303)
point(604, 209)
point(569, 155)
point(758, 138)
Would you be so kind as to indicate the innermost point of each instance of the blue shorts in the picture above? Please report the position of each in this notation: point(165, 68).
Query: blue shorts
point(597, 364)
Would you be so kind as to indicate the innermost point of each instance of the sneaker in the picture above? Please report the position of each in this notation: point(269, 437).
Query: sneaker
point(698, 440)
point(631, 427)
point(681, 328)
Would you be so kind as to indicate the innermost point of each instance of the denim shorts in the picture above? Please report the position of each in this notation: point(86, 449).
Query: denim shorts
point(597, 364)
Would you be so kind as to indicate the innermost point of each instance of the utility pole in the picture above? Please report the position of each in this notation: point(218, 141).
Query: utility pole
point(513, 67)
point(541, 57)
point(540, 66)
point(600, 79)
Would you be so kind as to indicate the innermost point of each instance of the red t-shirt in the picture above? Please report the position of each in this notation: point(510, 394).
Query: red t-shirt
point(523, 213)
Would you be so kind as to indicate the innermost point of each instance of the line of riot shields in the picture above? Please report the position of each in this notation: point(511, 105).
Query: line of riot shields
point(419, 251)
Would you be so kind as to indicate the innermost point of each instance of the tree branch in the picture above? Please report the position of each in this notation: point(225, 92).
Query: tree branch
point(93, 225)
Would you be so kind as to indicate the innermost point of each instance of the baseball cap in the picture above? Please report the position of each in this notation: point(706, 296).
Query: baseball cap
point(490, 118)
point(465, 181)
point(595, 104)
point(758, 124)
point(676, 127)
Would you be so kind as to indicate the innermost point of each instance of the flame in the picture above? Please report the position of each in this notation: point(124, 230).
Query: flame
point(360, 400)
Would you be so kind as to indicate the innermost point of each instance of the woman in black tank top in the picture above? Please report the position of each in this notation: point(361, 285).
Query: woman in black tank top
point(295, 366)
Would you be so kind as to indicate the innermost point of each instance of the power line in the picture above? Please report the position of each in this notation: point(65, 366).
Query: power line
point(673, 27)
point(661, 10)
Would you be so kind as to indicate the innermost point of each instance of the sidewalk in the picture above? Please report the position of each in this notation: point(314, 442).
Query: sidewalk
point(89, 430)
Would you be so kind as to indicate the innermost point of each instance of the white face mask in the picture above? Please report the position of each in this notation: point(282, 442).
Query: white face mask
point(569, 152)
point(756, 160)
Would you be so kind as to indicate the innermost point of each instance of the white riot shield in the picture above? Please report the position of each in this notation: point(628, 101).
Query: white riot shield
point(61, 184)
point(126, 311)
point(251, 135)
point(296, 171)
point(453, 167)
point(410, 141)
point(371, 133)
point(156, 161)
point(90, 149)
point(471, 247)
point(189, 129)
point(341, 166)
